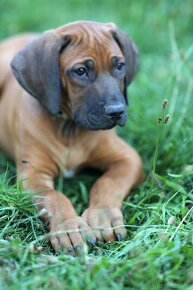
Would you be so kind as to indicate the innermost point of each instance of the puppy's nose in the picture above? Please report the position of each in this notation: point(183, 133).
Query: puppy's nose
point(114, 112)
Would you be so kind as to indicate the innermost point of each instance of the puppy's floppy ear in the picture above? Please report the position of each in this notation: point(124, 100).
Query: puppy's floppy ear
point(36, 68)
point(131, 53)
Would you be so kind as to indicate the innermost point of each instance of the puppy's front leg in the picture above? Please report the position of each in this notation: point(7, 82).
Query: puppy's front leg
point(123, 170)
point(67, 230)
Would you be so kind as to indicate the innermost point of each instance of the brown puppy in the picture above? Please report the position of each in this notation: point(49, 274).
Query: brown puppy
point(78, 76)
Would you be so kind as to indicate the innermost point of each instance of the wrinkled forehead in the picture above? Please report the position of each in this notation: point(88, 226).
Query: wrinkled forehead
point(90, 40)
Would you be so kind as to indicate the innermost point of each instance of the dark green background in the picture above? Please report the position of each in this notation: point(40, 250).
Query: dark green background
point(146, 20)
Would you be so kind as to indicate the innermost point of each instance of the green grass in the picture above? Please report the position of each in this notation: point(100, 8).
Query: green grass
point(158, 251)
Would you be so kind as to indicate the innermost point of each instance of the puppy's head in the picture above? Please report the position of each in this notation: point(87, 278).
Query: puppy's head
point(82, 68)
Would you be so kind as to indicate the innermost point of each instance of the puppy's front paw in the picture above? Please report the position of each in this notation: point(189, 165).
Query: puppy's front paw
point(71, 235)
point(106, 223)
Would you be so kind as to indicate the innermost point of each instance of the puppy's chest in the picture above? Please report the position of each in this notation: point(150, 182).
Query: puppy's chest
point(70, 157)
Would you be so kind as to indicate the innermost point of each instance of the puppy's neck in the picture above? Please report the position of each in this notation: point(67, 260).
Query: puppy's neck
point(66, 126)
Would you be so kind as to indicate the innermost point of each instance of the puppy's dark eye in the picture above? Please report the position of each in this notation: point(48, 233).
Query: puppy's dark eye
point(81, 71)
point(120, 65)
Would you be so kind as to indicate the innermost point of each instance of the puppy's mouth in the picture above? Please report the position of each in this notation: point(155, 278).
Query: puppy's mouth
point(99, 122)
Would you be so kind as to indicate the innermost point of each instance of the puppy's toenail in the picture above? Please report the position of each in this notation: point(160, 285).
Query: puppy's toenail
point(91, 241)
point(69, 249)
point(78, 248)
point(119, 237)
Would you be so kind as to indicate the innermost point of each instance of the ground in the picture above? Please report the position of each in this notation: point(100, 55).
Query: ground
point(157, 253)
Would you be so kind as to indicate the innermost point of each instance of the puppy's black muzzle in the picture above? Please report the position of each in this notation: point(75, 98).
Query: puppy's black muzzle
point(104, 105)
